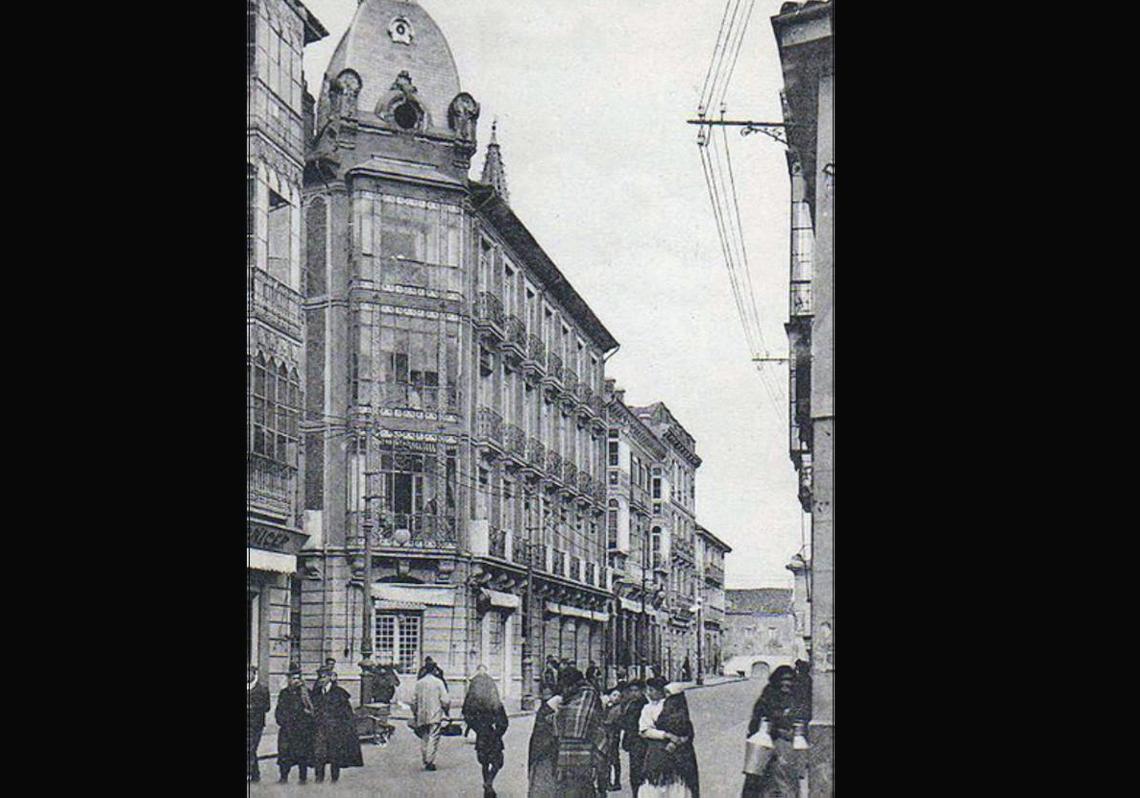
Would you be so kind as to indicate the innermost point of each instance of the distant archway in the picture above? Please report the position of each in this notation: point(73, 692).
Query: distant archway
point(760, 670)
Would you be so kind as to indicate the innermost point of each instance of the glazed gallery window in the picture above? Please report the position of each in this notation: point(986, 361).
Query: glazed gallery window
point(413, 244)
point(612, 523)
point(417, 366)
point(398, 637)
point(417, 489)
point(280, 237)
point(613, 453)
point(276, 402)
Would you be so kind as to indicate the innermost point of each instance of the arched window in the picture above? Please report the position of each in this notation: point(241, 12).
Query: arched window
point(276, 399)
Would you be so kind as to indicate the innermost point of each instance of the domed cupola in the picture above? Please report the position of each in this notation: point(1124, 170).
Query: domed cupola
point(393, 69)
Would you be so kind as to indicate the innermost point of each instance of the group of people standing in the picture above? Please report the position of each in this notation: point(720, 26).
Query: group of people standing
point(579, 733)
point(316, 726)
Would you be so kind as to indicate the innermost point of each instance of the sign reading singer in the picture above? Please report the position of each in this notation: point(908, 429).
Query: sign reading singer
point(270, 538)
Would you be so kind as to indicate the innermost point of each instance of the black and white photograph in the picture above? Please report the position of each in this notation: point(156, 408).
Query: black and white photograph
point(540, 398)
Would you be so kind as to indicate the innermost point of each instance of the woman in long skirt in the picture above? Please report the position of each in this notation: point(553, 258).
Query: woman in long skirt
point(778, 706)
point(670, 769)
point(543, 748)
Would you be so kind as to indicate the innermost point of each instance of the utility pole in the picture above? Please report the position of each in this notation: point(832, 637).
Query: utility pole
point(700, 634)
point(528, 621)
point(364, 525)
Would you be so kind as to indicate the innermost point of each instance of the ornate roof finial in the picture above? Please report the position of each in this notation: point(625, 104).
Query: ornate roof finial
point(493, 173)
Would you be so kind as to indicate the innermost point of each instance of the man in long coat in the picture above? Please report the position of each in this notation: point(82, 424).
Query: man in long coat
point(429, 708)
point(256, 705)
point(295, 720)
point(334, 740)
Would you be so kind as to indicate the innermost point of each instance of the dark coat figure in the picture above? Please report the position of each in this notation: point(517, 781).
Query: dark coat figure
point(256, 705)
point(632, 741)
point(543, 750)
point(801, 692)
point(594, 676)
point(777, 705)
point(295, 720)
point(384, 684)
point(669, 763)
point(484, 712)
point(686, 671)
point(550, 675)
point(334, 740)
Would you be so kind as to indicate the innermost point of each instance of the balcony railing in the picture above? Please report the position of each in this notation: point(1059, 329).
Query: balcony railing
point(273, 302)
point(554, 366)
point(583, 393)
point(518, 550)
point(497, 543)
point(489, 426)
point(799, 299)
point(598, 405)
point(489, 310)
point(539, 557)
point(515, 440)
point(536, 454)
point(515, 334)
point(430, 398)
point(270, 484)
point(570, 475)
point(591, 573)
point(714, 573)
point(554, 464)
point(535, 350)
point(415, 531)
point(558, 563)
point(639, 495)
point(585, 484)
point(600, 492)
point(575, 569)
point(569, 381)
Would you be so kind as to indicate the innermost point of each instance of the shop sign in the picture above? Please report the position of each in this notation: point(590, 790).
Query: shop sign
point(274, 538)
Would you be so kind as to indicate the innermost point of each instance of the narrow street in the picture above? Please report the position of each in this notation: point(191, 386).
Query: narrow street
point(720, 714)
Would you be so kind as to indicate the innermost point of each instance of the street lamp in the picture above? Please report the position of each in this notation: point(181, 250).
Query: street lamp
point(696, 608)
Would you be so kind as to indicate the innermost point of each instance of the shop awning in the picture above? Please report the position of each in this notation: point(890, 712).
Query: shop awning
point(262, 560)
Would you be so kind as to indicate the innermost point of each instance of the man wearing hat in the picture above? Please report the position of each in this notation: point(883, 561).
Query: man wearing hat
point(256, 705)
point(334, 738)
point(295, 719)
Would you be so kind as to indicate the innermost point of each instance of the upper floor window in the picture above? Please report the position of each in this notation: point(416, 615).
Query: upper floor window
point(613, 453)
point(276, 404)
point(656, 487)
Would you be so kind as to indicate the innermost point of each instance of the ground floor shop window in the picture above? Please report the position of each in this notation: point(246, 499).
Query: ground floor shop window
point(398, 637)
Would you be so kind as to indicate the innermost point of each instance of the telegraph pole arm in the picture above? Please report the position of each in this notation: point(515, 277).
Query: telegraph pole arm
point(773, 130)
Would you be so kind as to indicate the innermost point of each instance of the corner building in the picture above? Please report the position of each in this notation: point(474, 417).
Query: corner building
point(453, 410)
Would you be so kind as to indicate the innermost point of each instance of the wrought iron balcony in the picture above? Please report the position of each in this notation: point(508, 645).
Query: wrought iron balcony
point(714, 574)
point(488, 315)
point(515, 440)
point(497, 543)
point(639, 496)
point(558, 563)
point(575, 569)
point(554, 465)
point(535, 352)
point(428, 398)
point(539, 557)
point(536, 454)
point(570, 475)
point(583, 393)
point(489, 427)
point(585, 484)
point(273, 302)
point(553, 368)
point(514, 336)
point(415, 531)
point(598, 405)
point(270, 485)
point(518, 549)
point(800, 299)
point(600, 493)
point(569, 381)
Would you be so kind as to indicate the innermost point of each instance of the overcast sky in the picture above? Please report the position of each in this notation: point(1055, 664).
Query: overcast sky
point(592, 98)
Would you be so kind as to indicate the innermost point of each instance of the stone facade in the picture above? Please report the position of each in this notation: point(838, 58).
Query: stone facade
point(277, 32)
point(453, 416)
point(711, 551)
point(760, 632)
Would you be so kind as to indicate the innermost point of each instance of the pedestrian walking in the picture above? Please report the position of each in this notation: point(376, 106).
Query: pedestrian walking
point(484, 712)
point(334, 734)
point(256, 705)
point(386, 681)
point(632, 741)
point(686, 671)
point(542, 753)
point(429, 711)
point(581, 738)
point(615, 707)
point(295, 721)
point(670, 759)
point(776, 706)
point(594, 675)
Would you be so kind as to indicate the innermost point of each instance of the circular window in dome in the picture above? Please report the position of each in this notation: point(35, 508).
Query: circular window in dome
point(400, 31)
point(406, 115)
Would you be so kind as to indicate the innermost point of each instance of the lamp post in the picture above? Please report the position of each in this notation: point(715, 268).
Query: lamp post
point(528, 620)
point(365, 526)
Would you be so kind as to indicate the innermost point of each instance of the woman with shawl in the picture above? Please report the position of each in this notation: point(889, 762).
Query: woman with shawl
point(543, 751)
point(581, 738)
point(777, 705)
point(670, 769)
point(484, 713)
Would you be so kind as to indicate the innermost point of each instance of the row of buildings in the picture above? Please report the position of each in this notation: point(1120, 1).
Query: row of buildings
point(437, 463)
